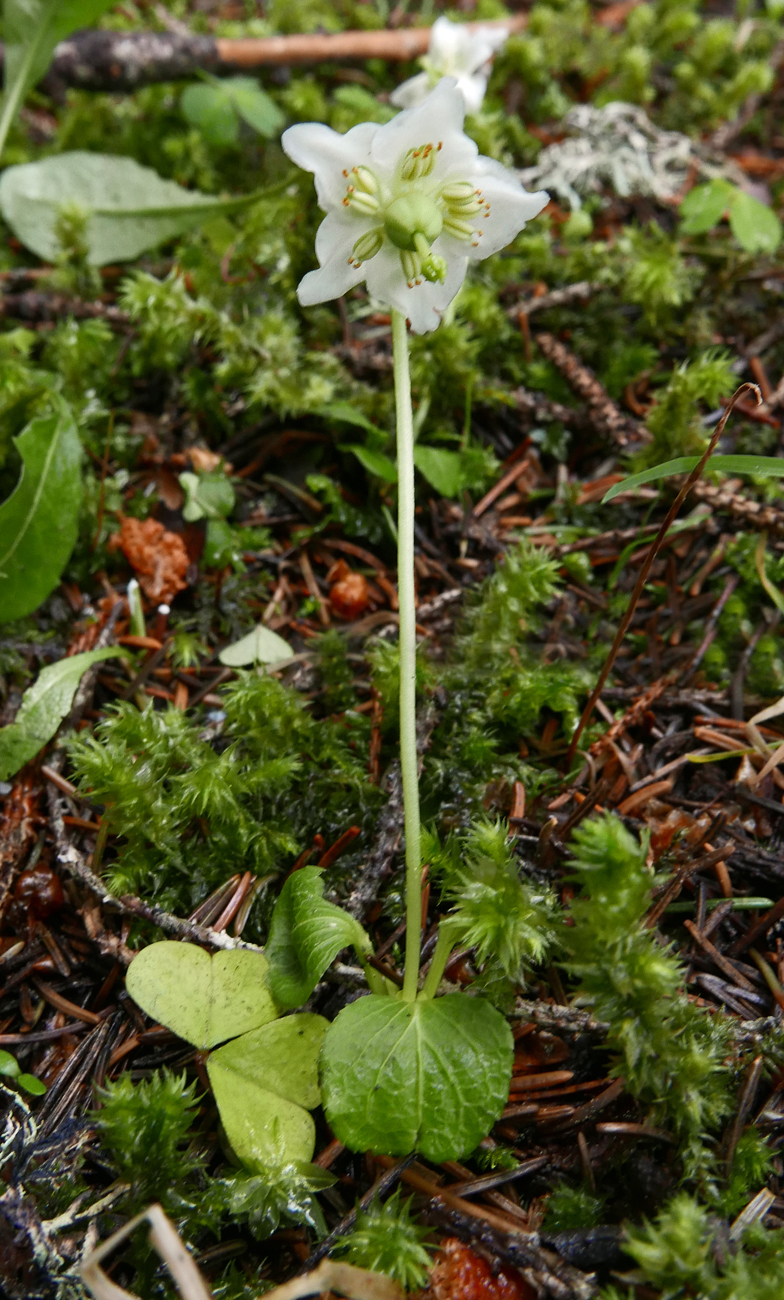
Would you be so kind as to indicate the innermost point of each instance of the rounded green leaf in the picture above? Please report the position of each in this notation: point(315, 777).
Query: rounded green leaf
point(9, 1066)
point(202, 999)
point(260, 646)
point(262, 1082)
point(755, 226)
point(281, 1057)
point(705, 205)
point(429, 1076)
point(212, 111)
point(32, 1085)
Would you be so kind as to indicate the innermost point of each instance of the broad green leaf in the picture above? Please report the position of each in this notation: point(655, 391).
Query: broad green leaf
point(264, 1083)
point(441, 468)
point(39, 521)
point(375, 462)
point(765, 466)
point(306, 934)
point(261, 646)
point(31, 29)
point(129, 208)
point(212, 112)
point(429, 1076)
point(201, 998)
point(755, 226)
point(43, 707)
point(705, 205)
point(209, 496)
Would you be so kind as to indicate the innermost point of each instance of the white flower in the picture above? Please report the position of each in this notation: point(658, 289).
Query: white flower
point(455, 50)
point(408, 205)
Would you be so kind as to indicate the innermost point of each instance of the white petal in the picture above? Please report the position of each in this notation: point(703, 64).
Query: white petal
point(488, 41)
point(473, 91)
point(425, 303)
point(511, 207)
point(412, 92)
point(338, 233)
point(439, 119)
point(330, 281)
point(450, 45)
point(318, 149)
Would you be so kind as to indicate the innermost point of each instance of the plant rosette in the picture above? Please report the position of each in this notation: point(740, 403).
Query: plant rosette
point(465, 53)
point(408, 205)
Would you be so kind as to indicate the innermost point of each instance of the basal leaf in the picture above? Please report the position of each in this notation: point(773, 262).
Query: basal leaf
point(281, 1057)
point(264, 1083)
point(705, 205)
point(766, 466)
point(43, 707)
point(261, 646)
point(209, 496)
point(375, 462)
point(39, 521)
point(306, 934)
point(130, 208)
point(429, 1076)
point(201, 998)
point(441, 468)
point(755, 226)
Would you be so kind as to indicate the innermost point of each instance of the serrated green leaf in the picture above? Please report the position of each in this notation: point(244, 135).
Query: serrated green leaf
point(766, 466)
point(375, 462)
point(129, 208)
point(705, 205)
point(261, 646)
point(39, 521)
point(212, 112)
point(441, 468)
point(306, 934)
point(264, 1084)
point(43, 707)
point(201, 998)
point(755, 226)
point(428, 1076)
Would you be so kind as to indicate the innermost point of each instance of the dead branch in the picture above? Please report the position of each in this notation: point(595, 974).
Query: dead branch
point(123, 61)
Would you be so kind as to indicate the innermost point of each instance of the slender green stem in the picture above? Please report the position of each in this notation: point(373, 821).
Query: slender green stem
point(14, 91)
point(440, 958)
point(405, 585)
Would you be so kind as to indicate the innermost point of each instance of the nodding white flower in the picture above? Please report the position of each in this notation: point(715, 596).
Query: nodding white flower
point(408, 205)
point(455, 50)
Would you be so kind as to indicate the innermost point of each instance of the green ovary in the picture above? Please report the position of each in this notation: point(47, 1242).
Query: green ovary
point(412, 215)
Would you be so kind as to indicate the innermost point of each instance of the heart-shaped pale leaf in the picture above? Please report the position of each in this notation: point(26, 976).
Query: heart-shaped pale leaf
point(203, 999)
point(429, 1076)
point(262, 1084)
point(261, 646)
point(306, 934)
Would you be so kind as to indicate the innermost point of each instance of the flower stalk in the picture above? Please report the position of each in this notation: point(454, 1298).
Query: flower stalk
point(409, 764)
